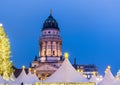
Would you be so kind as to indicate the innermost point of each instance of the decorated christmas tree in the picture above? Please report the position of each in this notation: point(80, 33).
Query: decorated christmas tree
point(5, 62)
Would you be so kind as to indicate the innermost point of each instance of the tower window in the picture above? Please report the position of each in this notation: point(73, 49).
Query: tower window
point(49, 32)
point(34, 65)
point(53, 52)
point(44, 52)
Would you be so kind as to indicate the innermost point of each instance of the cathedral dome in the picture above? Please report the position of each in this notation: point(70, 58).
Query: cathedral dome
point(50, 23)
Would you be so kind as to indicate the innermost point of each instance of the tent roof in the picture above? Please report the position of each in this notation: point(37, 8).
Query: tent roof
point(66, 73)
point(22, 77)
point(108, 79)
point(2, 81)
point(35, 78)
point(32, 78)
point(94, 79)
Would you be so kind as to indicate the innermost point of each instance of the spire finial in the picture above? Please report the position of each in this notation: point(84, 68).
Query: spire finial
point(50, 11)
point(35, 71)
point(29, 69)
point(66, 55)
point(23, 67)
point(108, 69)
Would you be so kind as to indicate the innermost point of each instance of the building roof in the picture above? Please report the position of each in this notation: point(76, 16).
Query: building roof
point(50, 23)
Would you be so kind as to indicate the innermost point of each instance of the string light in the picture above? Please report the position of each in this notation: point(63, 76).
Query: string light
point(5, 52)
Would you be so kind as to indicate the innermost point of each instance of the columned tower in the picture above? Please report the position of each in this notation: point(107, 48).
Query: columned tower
point(50, 42)
point(50, 49)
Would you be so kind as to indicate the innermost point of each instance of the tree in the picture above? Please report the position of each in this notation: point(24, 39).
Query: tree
point(5, 62)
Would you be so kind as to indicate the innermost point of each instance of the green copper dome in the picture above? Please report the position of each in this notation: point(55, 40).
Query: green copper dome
point(50, 23)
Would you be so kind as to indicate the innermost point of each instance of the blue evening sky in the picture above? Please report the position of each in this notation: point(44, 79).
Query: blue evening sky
point(90, 29)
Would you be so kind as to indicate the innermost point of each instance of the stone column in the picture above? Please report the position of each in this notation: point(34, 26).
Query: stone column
point(45, 49)
point(51, 48)
point(56, 49)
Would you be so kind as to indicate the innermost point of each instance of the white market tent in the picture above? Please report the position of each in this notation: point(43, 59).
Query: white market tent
point(35, 78)
point(108, 79)
point(32, 78)
point(2, 81)
point(26, 78)
point(118, 82)
point(66, 73)
point(12, 77)
point(22, 78)
point(94, 79)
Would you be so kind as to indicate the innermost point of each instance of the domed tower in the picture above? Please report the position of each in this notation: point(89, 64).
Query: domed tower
point(50, 42)
point(50, 49)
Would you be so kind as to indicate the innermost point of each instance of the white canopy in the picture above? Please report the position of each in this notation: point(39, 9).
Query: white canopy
point(66, 73)
point(108, 79)
point(22, 78)
point(35, 78)
point(25, 79)
point(2, 81)
point(12, 77)
point(118, 82)
point(11, 80)
point(32, 78)
point(94, 79)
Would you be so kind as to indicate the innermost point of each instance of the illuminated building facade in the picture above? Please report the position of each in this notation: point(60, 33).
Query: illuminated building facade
point(87, 70)
point(50, 52)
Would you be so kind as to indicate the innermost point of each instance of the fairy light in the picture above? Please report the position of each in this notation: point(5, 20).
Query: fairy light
point(5, 52)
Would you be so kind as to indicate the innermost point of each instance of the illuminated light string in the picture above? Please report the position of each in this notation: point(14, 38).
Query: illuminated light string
point(107, 69)
point(5, 52)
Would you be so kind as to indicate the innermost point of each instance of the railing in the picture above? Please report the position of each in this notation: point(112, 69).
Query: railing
point(50, 36)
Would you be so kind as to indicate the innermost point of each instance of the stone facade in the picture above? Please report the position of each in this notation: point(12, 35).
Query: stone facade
point(50, 52)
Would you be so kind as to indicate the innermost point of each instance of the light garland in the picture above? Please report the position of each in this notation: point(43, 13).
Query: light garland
point(5, 63)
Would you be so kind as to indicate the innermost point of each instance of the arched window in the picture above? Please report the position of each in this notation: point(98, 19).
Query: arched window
point(49, 32)
point(53, 52)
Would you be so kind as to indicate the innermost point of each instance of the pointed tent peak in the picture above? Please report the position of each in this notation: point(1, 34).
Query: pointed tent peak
point(67, 73)
point(30, 69)
point(107, 69)
point(108, 79)
point(34, 71)
point(12, 77)
point(23, 67)
point(66, 55)
point(94, 73)
point(109, 74)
